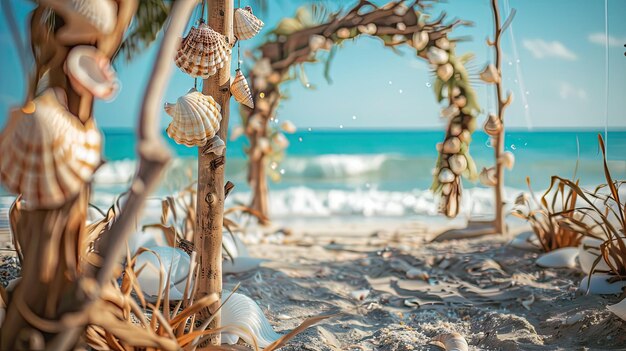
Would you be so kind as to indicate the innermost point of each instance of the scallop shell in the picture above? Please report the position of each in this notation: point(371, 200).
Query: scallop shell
point(437, 56)
point(47, 153)
point(493, 125)
point(241, 91)
point(445, 72)
point(246, 25)
point(196, 119)
point(90, 72)
point(202, 52)
point(85, 20)
point(420, 40)
point(451, 342)
point(241, 312)
point(490, 74)
point(216, 146)
point(487, 176)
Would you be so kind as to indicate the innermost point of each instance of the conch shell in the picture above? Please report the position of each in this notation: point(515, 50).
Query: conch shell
point(196, 118)
point(47, 153)
point(85, 20)
point(241, 91)
point(487, 176)
point(451, 342)
point(89, 71)
point(203, 52)
point(493, 125)
point(245, 24)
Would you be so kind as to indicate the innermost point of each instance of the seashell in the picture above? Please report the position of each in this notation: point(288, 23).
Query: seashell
point(599, 284)
point(588, 252)
point(241, 91)
point(245, 24)
point(446, 189)
point(446, 176)
point(450, 112)
point(507, 159)
point(196, 119)
point(398, 38)
point(280, 140)
point(437, 56)
point(236, 132)
point(172, 260)
point(90, 72)
point(262, 68)
point(451, 146)
point(456, 91)
point(264, 145)
point(559, 258)
point(400, 9)
point(85, 20)
point(445, 72)
point(456, 129)
point(458, 163)
point(420, 40)
point(443, 43)
point(288, 127)
point(47, 153)
point(343, 33)
point(490, 74)
point(317, 42)
point(202, 52)
point(359, 295)
point(487, 176)
point(242, 262)
point(619, 309)
point(465, 136)
point(242, 313)
point(460, 101)
point(216, 146)
point(493, 125)
point(451, 342)
point(526, 241)
point(401, 26)
point(274, 78)
point(369, 29)
point(439, 147)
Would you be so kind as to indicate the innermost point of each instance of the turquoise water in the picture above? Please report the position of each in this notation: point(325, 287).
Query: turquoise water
point(403, 160)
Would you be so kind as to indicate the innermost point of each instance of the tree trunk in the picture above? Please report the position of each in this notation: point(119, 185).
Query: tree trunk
point(258, 182)
point(210, 201)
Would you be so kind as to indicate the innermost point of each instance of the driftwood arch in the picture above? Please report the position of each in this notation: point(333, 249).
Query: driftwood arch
point(297, 41)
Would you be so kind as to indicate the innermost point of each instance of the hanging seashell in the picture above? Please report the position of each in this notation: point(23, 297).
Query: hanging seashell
point(451, 146)
point(85, 20)
point(493, 125)
point(436, 56)
point(449, 204)
point(446, 176)
point(445, 72)
point(241, 91)
point(490, 74)
point(465, 136)
point(487, 176)
point(507, 159)
point(450, 112)
point(451, 342)
point(343, 33)
point(274, 78)
point(317, 42)
point(202, 52)
point(456, 129)
point(288, 127)
point(47, 153)
point(443, 43)
point(446, 189)
point(398, 38)
point(458, 163)
point(90, 72)
point(420, 40)
point(216, 146)
point(280, 140)
point(401, 26)
point(400, 9)
point(245, 24)
point(369, 28)
point(196, 119)
point(456, 91)
point(242, 313)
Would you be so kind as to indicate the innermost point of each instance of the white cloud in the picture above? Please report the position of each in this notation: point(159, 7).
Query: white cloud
point(600, 39)
point(540, 48)
point(567, 90)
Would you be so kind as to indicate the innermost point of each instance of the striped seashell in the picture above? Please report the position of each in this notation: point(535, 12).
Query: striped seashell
point(242, 313)
point(245, 24)
point(202, 52)
point(85, 20)
point(451, 342)
point(47, 153)
point(90, 72)
point(196, 119)
point(241, 91)
point(493, 125)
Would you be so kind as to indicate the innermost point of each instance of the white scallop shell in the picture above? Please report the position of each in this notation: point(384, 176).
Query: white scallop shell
point(173, 260)
point(47, 153)
point(243, 313)
point(487, 176)
point(493, 125)
point(599, 284)
point(90, 71)
point(245, 24)
point(452, 342)
point(560, 258)
point(85, 20)
point(202, 52)
point(241, 91)
point(196, 119)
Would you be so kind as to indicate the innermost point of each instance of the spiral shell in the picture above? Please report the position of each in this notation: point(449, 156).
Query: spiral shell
point(241, 91)
point(493, 125)
point(196, 119)
point(90, 71)
point(85, 20)
point(246, 25)
point(202, 52)
point(47, 153)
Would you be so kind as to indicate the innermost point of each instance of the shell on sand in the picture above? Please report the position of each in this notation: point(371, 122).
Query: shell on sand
point(202, 52)
point(90, 72)
point(241, 91)
point(245, 24)
point(172, 260)
point(47, 153)
point(196, 119)
point(526, 240)
point(451, 342)
point(588, 252)
point(560, 258)
point(619, 309)
point(85, 20)
point(241, 312)
point(599, 284)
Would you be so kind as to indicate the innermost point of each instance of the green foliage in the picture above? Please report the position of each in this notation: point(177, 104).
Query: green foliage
point(147, 23)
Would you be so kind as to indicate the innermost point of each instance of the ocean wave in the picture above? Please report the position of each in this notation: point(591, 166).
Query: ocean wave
point(334, 166)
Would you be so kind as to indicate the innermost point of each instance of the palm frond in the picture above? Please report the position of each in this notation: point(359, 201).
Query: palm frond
point(147, 23)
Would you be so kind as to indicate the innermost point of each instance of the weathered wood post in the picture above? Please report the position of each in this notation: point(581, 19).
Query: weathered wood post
point(210, 202)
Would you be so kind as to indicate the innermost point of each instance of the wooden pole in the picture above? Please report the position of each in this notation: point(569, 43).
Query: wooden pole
point(210, 201)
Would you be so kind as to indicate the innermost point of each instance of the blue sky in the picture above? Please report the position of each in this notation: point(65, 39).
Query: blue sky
point(559, 75)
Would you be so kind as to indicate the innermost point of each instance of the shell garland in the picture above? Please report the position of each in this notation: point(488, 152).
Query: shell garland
point(196, 119)
point(203, 52)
